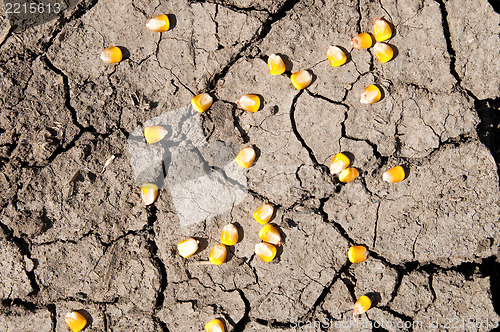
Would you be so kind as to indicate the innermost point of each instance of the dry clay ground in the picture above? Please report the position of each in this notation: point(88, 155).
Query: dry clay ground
point(92, 245)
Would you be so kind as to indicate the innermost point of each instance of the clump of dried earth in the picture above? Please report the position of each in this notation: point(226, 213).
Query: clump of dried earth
point(92, 245)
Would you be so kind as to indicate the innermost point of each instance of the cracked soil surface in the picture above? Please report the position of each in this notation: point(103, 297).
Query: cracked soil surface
point(90, 244)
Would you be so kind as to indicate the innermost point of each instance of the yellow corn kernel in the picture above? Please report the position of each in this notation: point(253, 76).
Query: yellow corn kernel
point(336, 56)
point(265, 251)
point(149, 192)
point(245, 157)
point(276, 65)
point(214, 326)
point(250, 103)
point(383, 52)
point(348, 175)
point(154, 134)
point(362, 305)
point(202, 102)
point(264, 214)
point(187, 247)
point(75, 321)
point(394, 175)
point(301, 79)
point(111, 54)
point(229, 235)
point(270, 234)
point(363, 40)
point(218, 254)
point(381, 30)
point(357, 254)
point(339, 163)
point(158, 23)
point(371, 94)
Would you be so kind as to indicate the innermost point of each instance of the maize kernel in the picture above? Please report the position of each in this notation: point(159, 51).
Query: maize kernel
point(214, 326)
point(276, 65)
point(265, 251)
point(250, 103)
point(371, 94)
point(75, 321)
point(112, 54)
point(187, 247)
point(270, 234)
point(394, 175)
point(357, 254)
point(158, 23)
point(154, 134)
point(381, 30)
point(149, 192)
point(339, 163)
point(264, 214)
point(336, 56)
point(218, 254)
point(229, 235)
point(383, 52)
point(362, 305)
point(363, 40)
point(301, 79)
point(348, 175)
point(202, 102)
point(245, 157)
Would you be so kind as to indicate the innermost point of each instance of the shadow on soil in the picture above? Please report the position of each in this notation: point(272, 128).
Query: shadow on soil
point(491, 268)
point(488, 129)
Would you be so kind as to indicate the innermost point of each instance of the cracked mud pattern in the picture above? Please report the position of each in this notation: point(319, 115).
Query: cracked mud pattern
point(90, 244)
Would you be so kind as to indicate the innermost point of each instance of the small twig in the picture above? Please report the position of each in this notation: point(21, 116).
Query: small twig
point(71, 182)
point(73, 178)
point(109, 161)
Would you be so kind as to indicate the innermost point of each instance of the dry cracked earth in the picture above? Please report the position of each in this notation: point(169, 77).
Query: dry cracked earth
point(89, 244)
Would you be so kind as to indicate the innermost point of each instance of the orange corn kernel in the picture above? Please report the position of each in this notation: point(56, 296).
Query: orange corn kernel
point(76, 322)
point(301, 79)
point(112, 54)
point(149, 192)
point(229, 235)
point(158, 23)
point(276, 65)
point(270, 234)
point(245, 157)
point(383, 52)
point(394, 175)
point(381, 30)
point(357, 254)
point(363, 40)
point(187, 247)
point(336, 56)
point(339, 163)
point(202, 102)
point(362, 305)
point(348, 175)
point(264, 214)
point(218, 254)
point(154, 134)
point(250, 103)
point(265, 251)
point(371, 94)
point(214, 326)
